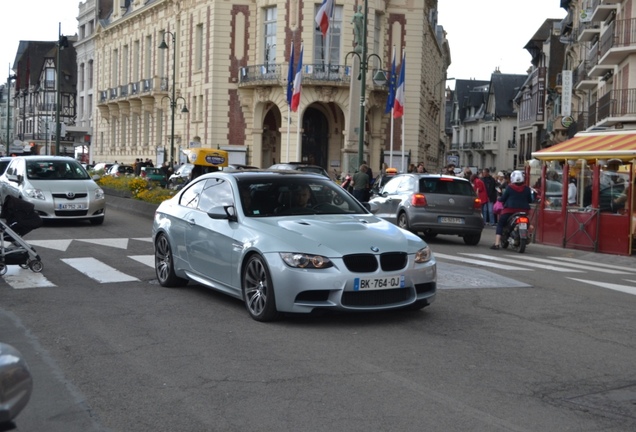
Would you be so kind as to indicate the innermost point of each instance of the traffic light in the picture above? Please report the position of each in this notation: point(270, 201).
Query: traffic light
point(63, 42)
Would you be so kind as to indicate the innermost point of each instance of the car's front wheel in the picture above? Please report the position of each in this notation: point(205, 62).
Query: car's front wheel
point(258, 291)
point(97, 221)
point(164, 264)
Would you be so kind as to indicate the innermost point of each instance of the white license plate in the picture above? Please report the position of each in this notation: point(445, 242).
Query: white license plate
point(451, 220)
point(523, 226)
point(363, 284)
point(71, 207)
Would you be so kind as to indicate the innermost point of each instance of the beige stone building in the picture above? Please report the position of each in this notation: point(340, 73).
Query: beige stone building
point(231, 74)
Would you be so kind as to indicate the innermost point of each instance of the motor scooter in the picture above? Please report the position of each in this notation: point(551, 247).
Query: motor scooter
point(517, 232)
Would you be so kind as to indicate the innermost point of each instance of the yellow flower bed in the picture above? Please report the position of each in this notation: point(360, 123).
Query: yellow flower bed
point(139, 188)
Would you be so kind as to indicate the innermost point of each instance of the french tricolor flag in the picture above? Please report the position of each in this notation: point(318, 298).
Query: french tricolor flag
point(323, 16)
point(398, 107)
point(298, 79)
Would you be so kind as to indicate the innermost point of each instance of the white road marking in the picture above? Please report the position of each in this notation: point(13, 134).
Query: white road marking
point(61, 245)
point(20, 278)
point(148, 260)
point(524, 262)
point(144, 239)
point(587, 266)
point(616, 287)
point(478, 262)
point(98, 271)
point(120, 243)
point(596, 264)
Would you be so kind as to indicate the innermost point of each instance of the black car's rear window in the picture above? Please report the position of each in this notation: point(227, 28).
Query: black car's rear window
point(447, 186)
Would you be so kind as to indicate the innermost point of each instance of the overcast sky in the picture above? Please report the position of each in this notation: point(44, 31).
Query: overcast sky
point(489, 34)
point(37, 20)
point(483, 35)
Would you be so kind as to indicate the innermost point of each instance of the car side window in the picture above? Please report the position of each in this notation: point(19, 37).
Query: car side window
point(216, 193)
point(392, 186)
point(190, 197)
point(407, 184)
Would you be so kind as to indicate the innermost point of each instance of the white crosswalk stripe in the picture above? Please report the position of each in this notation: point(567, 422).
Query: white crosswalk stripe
point(523, 262)
point(98, 270)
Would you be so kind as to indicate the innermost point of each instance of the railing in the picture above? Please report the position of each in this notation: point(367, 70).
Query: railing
point(123, 90)
point(113, 93)
point(512, 144)
point(311, 73)
point(323, 72)
point(620, 33)
point(476, 145)
point(264, 72)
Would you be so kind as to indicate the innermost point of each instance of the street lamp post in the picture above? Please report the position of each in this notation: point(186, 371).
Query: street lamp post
point(174, 99)
point(379, 78)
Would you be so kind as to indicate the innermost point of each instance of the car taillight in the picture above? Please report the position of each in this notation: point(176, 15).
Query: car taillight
point(477, 204)
point(418, 200)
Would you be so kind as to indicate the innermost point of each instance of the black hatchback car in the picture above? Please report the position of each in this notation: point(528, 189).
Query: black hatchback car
point(431, 204)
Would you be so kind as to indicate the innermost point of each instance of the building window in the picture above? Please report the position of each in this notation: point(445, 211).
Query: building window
point(148, 57)
point(269, 54)
point(198, 47)
point(89, 78)
point(124, 66)
point(377, 40)
point(327, 48)
point(115, 65)
point(136, 60)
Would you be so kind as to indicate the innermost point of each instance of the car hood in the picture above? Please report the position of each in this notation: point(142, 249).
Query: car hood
point(55, 186)
point(337, 235)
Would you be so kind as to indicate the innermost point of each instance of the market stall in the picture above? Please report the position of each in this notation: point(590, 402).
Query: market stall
point(585, 189)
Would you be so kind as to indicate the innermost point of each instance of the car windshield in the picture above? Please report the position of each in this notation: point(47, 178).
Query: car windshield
point(55, 170)
point(295, 196)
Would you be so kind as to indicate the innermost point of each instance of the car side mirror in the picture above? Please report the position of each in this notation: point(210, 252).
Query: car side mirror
point(223, 212)
point(16, 385)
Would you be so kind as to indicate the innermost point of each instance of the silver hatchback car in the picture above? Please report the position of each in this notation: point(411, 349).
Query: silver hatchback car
point(59, 188)
point(432, 204)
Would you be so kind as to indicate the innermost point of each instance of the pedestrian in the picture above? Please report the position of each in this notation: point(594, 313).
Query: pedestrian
point(420, 168)
point(572, 191)
point(361, 184)
point(412, 168)
point(482, 194)
point(450, 169)
point(515, 198)
point(491, 190)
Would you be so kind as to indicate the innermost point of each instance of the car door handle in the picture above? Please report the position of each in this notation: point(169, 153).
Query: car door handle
point(191, 222)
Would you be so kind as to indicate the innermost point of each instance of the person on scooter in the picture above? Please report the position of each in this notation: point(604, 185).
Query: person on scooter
point(515, 198)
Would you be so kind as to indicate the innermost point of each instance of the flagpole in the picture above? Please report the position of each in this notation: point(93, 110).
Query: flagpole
point(404, 93)
point(290, 76)
point(330, 39)
point(392, 83)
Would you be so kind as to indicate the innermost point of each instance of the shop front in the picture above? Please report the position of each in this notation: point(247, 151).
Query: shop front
point(585, 188)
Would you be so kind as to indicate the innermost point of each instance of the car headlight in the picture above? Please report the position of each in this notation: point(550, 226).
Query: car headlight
point(35, 194)
point(99, 193)
point(301, 260)
point(423, 255)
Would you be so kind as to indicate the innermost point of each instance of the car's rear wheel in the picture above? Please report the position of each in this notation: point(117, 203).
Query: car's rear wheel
point(164, 264)
point(472, 239)
point(430, 235)
point(258, 291)
point(403, 221)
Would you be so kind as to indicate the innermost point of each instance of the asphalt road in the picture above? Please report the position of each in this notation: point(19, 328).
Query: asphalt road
point(543, 347)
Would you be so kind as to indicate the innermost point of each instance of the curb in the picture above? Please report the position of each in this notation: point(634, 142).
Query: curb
point(130, 205)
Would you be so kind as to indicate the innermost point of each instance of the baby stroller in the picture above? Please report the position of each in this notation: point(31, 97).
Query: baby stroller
point(20, 218)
